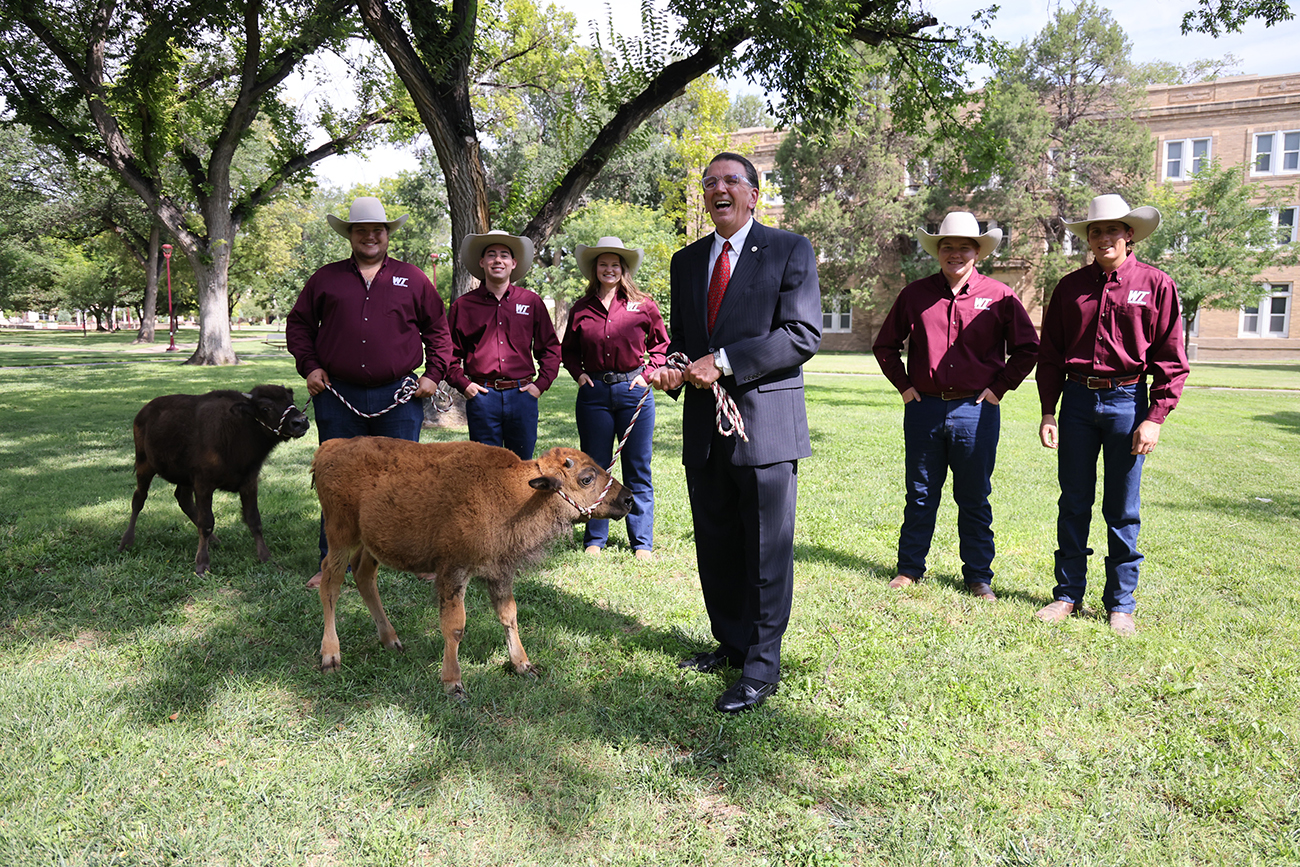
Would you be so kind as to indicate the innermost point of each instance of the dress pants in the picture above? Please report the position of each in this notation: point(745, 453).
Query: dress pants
point(744, 543)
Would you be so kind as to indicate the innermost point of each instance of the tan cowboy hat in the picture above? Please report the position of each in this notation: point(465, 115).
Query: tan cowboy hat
point(365, 209)
point(587, 256)
point(472, 247)
point(960, 224)
point(1143, 221)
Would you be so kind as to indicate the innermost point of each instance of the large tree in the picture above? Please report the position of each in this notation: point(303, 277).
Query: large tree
point(182, 100)
point(807, 52)
point(1217, 237)
point(1054, 128)
point(847, 193)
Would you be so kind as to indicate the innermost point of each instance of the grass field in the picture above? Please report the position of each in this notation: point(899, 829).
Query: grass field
point(151, 717)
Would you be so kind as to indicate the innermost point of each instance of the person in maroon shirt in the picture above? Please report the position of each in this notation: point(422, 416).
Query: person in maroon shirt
point(615, 338)
point(969, 342)
point(1108, 327)
point(497, 331)
point(359, 330)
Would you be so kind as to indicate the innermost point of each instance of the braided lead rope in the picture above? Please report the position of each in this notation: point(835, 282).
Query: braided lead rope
point(726, 407)
point(613, 461)
point(404, 393)
point(277, 430)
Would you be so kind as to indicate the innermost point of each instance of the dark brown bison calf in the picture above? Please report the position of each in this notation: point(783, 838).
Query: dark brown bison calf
point(456, 509)
point(207, 442)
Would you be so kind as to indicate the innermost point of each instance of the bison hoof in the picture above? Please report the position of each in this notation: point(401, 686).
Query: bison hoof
point(456, 691)
point(395, 644)
point(330, 664)
point(528, 670)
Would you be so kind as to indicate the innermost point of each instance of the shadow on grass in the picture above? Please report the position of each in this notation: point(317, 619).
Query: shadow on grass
point(1288, 421)
point(188, 646)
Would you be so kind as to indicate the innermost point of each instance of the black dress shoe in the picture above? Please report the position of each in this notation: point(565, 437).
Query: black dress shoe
point(741, 696)
point(706, 661)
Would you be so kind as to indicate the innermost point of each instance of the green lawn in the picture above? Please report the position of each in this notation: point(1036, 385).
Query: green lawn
point(148, 716)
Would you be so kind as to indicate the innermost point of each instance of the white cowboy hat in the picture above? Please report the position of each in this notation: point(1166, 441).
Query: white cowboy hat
point(1143, 221)
point(365, 209)
point(472, 247)
point(960, 224)
point(587, 256)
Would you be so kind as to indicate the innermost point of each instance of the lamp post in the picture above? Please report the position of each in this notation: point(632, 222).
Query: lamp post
point(171, 317)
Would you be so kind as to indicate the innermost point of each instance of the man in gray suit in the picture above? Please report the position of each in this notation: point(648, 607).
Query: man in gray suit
point(746, 309)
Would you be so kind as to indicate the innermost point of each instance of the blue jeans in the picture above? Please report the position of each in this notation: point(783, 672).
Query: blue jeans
point(960, 435)
point(603, 412)
point(335, 421)
point(504, 418)
point(1091, 422)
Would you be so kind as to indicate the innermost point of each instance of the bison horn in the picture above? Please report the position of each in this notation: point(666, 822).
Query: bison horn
point(568, 463)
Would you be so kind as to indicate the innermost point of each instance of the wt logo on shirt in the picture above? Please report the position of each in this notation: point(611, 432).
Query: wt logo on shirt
point(399, 281)
point(522, 309)
point(982, 303)
point(1136, 297)
point(633, 306)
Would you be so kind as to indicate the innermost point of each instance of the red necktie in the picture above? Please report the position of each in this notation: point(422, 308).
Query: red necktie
point(718, 284)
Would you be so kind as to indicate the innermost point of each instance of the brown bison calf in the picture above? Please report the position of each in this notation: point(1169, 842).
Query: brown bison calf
point(207, 442)
point(456, 509)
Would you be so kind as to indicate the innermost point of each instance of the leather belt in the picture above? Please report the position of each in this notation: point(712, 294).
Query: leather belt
point(1096, 382)
point(503, 384)
point(949, 395)
point(609, 377)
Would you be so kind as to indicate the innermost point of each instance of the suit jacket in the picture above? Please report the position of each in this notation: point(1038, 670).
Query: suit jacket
point(769, 324)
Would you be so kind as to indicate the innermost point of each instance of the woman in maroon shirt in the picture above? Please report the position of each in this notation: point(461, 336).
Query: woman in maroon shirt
point(614, 339)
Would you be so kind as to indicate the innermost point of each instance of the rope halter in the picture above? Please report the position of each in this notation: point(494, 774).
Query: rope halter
point(278, 430)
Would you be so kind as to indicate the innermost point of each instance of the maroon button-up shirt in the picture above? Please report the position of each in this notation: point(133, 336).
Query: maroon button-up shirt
point(369, 336)
point(627, 337)
point(494, 339)
point(1125, 323)
point(979, 338)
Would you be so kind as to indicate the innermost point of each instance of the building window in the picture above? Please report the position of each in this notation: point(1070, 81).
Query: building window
point(1277, 153)
point(917, 176)
point(771, 189)
point(837, 314)
point(1284, 221)
point(1271, 316)
point(1186, 157)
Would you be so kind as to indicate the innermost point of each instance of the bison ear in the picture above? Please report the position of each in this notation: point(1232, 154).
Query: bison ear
point(545, 483)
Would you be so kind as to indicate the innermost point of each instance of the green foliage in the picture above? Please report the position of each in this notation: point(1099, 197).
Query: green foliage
point(1217, 17)
point(1217, 236)
point(635, 225)
point(847, 194)
point(1055, 129)
point(698, 129)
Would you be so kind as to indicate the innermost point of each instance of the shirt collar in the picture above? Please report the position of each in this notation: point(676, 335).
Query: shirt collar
point(737, 240)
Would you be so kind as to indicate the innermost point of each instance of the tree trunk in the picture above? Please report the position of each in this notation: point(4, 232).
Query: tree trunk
point(149, 310)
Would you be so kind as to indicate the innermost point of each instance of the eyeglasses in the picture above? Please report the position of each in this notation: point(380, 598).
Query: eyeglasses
point(711, 182)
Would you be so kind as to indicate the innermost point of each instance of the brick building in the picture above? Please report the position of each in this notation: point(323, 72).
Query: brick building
point(1251, 121)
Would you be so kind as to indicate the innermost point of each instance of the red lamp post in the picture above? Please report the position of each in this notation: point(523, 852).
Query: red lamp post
point(171, 317)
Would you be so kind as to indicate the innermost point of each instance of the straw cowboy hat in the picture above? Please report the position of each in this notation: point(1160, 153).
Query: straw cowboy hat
point(365, 209)
point(587, 256)
point(472, 247)
point(960, 224)
point(1143, 221)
